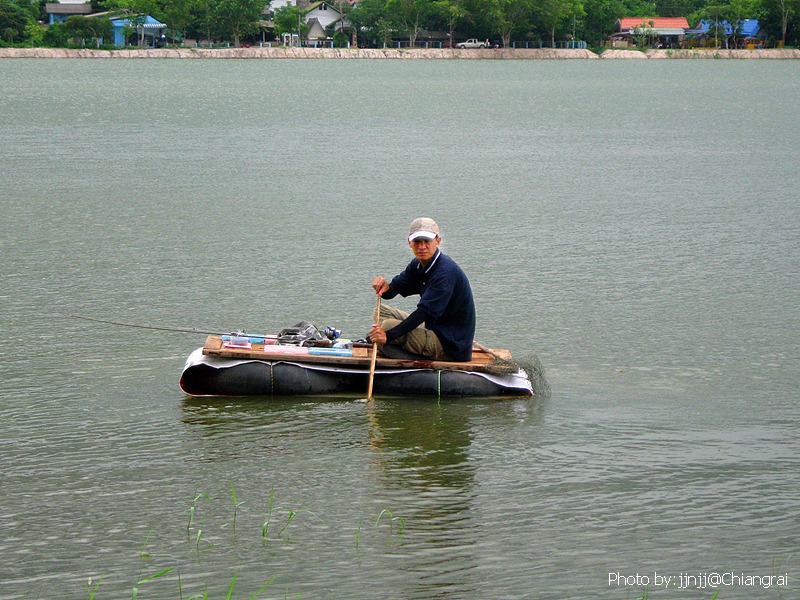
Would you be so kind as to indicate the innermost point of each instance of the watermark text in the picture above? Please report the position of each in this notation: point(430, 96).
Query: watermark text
point(697, 581)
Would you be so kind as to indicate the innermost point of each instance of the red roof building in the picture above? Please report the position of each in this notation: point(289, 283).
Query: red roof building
point(658, 31)
point(673, 24)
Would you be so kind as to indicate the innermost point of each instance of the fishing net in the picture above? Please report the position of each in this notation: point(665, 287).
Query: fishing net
point(535, 371)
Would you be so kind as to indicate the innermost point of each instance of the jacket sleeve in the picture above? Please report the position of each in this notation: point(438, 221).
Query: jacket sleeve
point(403, 284)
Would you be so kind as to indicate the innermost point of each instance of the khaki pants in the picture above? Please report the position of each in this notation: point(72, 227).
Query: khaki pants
point(419, 341)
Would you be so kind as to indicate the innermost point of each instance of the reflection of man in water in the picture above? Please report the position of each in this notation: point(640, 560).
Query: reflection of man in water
point(421, 452)
point(423, 445)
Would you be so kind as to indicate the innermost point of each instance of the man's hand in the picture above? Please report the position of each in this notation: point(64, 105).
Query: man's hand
point(380, 285)
point(377, 335)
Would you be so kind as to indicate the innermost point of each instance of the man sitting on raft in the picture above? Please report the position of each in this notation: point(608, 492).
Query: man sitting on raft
point(443, 325)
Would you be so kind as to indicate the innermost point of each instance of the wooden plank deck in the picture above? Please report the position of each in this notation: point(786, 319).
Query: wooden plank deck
point(482, 361)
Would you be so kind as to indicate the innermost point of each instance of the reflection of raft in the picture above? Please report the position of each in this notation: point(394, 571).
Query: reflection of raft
point(253, 368)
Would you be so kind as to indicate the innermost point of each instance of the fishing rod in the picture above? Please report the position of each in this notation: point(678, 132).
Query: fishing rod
point(154, 327)
point(251, 337)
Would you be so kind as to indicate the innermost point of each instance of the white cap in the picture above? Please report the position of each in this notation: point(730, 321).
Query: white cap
point(423, 228)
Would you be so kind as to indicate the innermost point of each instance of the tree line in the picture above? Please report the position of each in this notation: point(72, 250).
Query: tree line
point(378, 22)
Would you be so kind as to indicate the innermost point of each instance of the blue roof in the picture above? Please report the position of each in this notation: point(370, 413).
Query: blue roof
point(149, 22)
point(747, 27)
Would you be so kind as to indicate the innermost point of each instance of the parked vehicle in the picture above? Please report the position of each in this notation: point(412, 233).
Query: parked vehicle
point(471, 43)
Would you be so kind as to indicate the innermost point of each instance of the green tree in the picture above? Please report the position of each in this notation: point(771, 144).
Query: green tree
point(180, 15)
point(601, 15)
point(371, 19)
point(782, 19)
point(716, 14)
point(203, 26)
point(290, 19)
point(507, 16)
point(737, 12)
point(677, 8)
point(640, 8)
point(345, 8)
point(55, 36)
point(409, 16)
point(451, 14)
point(14, 17)
point(554, 14)
point(236, 18)
point(643, 34)
point(91, 29)
point(34, 34)
point(340, 39)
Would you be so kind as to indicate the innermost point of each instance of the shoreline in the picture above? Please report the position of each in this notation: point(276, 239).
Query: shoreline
point(393, 53)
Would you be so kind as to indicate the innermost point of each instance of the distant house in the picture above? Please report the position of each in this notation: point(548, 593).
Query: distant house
point(316, 32)
point(659, 32)
point(320, 16)
point(58, 12)
point(151, 30)
point(325, 14)
point(306, 4)
point(748, 33)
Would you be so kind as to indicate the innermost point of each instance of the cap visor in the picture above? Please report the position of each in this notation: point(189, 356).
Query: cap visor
point(425, 235)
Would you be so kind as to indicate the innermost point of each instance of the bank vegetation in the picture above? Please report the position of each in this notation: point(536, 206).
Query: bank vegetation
point(398, 53)
point(380, 23)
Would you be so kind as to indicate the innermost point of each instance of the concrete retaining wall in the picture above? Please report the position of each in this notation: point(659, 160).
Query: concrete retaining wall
point(393, 53)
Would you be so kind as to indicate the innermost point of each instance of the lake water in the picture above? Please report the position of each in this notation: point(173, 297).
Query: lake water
point(633, 224)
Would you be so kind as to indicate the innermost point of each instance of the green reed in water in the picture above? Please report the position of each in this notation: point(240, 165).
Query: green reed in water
point(292, 515)
point(392, 520)
point(143, 553)
point(236, 504)
point(193, 513)
point(146, 579)
point(229, 595)
point(193, 509)
point(271, 508)
point(265, 526)
point(92, 587)
point(195, 527)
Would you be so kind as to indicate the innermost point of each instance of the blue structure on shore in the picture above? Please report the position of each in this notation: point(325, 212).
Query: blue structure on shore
point(748, 29)
point(150, 28)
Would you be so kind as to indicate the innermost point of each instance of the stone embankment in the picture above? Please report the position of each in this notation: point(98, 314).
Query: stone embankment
point(392, 53)
point(281, 52)
point(705, 53)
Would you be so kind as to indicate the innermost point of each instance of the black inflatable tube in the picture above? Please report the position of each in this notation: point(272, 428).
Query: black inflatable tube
point(259, 378)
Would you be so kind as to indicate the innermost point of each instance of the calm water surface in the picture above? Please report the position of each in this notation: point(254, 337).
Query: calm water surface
point(634, 224)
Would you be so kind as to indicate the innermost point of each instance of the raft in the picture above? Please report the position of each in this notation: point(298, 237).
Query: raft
point(230, 366)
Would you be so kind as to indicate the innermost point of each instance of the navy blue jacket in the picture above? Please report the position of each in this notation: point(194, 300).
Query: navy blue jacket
point(446, 305)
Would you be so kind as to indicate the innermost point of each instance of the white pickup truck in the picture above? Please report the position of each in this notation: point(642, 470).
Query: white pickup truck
point(471, 43)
